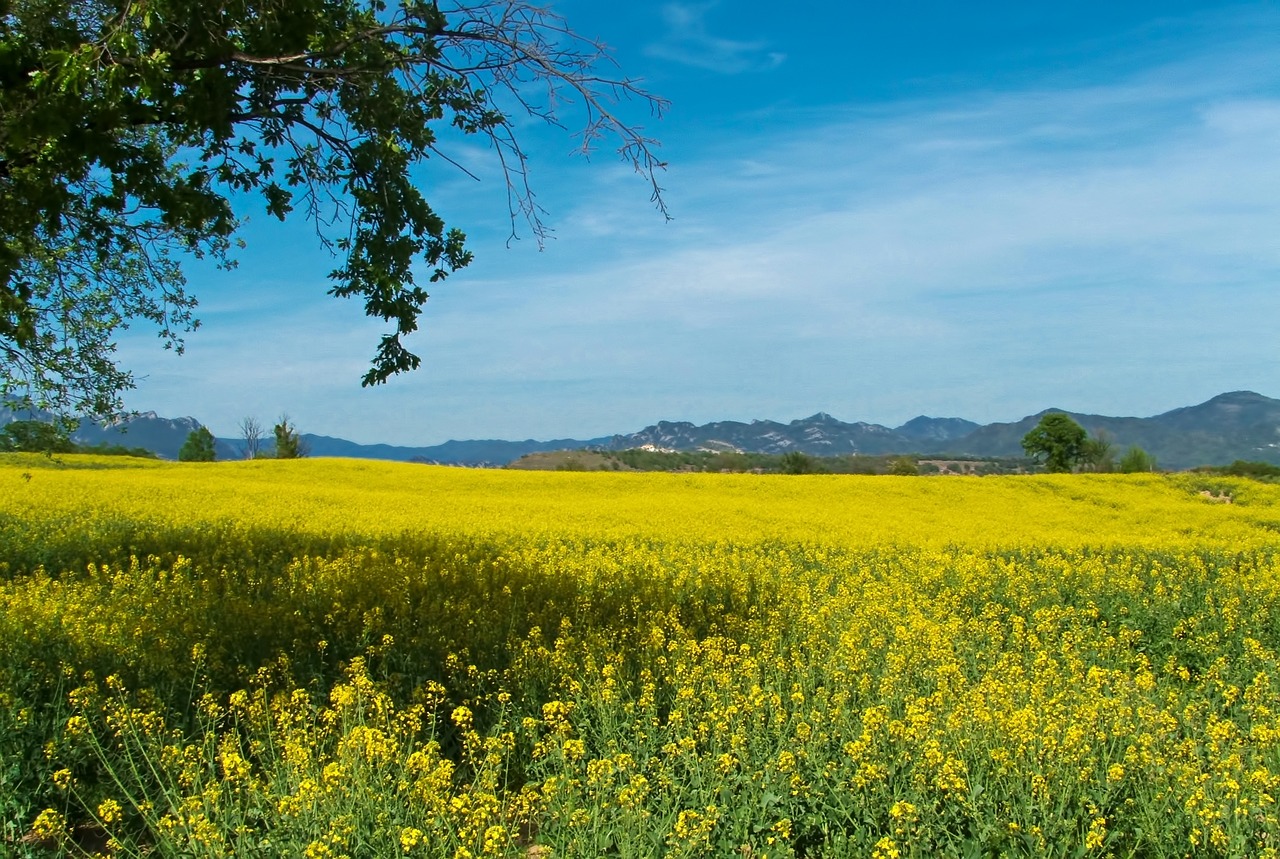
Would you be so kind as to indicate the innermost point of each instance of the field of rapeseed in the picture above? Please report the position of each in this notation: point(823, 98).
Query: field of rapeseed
point(332, 658)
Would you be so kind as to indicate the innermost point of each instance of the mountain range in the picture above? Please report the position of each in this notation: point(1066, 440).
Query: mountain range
point(1237, 425)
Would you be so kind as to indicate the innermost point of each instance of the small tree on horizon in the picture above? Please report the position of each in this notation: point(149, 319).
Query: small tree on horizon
point(905, 466)
point(1136, 459)
point(796, 462)
point(251, 433)
point(198, 447)
point(289, 445)
point(1060, 441)
point(1099, 452)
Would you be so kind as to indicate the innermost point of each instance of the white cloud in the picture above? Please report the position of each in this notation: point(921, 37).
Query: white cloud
point(688, 41)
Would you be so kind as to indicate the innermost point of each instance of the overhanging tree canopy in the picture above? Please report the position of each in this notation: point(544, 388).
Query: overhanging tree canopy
point(126, 124)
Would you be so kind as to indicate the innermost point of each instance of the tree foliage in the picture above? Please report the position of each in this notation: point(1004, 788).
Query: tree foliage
point(1249, 468)
point(797, 462)
point(1058, 441)
point(904, 466)
point(1136, 459)
point(289, 445)
point(35, 437)
point(126, 127)
point(199, 446)
point(1099, 452)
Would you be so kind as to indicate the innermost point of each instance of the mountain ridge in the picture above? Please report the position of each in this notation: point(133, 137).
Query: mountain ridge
point(1233, 425)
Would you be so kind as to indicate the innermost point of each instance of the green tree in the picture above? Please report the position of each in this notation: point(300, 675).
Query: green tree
point(1099, 452)
point(1136, 459)
point(796, 462)
point(198, 447)
point(1057, 440)
point(289, 445)
point(35, 437)
point(904, 466)
point(126, 128)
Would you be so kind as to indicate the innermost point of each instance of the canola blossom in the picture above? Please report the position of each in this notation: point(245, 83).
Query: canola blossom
point(332, 658)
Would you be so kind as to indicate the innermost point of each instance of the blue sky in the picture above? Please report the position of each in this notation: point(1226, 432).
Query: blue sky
point(879, 210)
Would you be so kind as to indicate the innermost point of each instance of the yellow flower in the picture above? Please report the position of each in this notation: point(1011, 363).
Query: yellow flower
point(495, 839)
point(109, 812)
point(1097, 834)
point(410, 838)
point(49, 824)
point(885, 848)
point(574, 749)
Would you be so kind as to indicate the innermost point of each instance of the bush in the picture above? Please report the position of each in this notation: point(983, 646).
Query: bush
point(1135, 460)
point(1244, 468)
point(904, 466)
point(796, 462)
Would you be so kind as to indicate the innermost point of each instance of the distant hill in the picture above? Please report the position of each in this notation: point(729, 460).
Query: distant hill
point(1237, 425)
point(163, 436)
point(819, 435)
point(936, 430)
point(488, 452)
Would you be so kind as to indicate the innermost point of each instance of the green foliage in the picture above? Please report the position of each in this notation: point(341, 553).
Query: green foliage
point(1264, 471)
point(1060, 441)
point(733, 461)
point(1136, 460)
point(1244, 468)
point(1099, 453)
point(35, 437)
point(127, 128)
point(106, 449)
point(904, 466)
point(198, 447)
point(289, 445)
point(45, 437)
point(657, 460)
point(797, 462)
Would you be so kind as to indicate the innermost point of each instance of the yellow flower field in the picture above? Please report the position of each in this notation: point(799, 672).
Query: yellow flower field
point(366, 498)
point(333, 658)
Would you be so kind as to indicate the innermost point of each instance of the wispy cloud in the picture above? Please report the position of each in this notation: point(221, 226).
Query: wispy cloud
point(1105, 246)
point(688, 41)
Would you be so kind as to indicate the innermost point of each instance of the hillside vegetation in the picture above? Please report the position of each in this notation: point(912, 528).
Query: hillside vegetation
point(734, 462)
point(331, 658)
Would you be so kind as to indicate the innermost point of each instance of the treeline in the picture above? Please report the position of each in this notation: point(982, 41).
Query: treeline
point(792, 462)
point(55, 437)
point(1264, 471)
point(42, 437)
point(797, 462)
